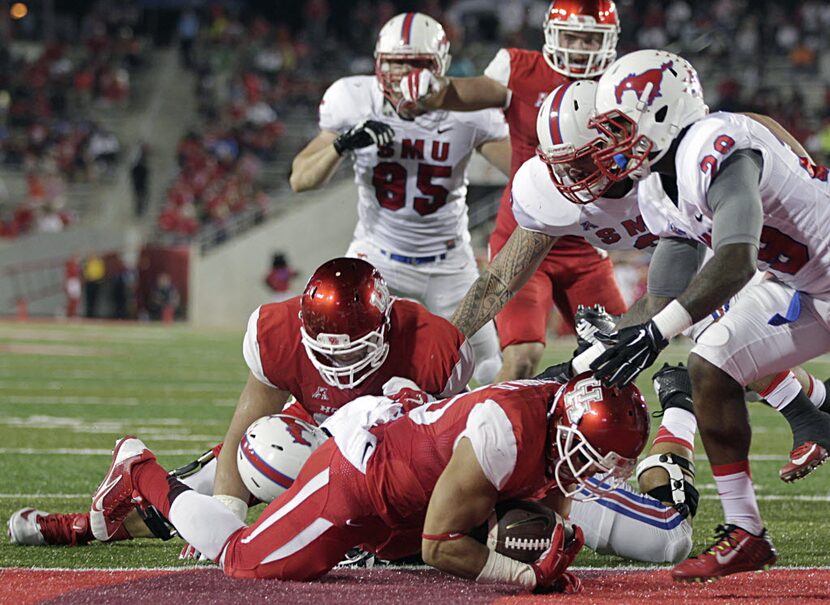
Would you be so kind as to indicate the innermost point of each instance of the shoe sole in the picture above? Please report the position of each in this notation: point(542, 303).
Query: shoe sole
point(97, 522)
point(713, 579)
point(802, 471)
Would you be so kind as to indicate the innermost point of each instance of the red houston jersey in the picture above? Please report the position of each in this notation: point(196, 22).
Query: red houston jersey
point(423, 347)
point(507, 428)
point(530, 79)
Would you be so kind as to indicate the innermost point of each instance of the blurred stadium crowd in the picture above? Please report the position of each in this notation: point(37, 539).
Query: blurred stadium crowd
point(257, 72)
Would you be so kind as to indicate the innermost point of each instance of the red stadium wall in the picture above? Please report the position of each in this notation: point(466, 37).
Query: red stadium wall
point(174, 260)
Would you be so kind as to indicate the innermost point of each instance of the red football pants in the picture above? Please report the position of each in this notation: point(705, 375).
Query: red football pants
point(564, 281)
point(307, 530)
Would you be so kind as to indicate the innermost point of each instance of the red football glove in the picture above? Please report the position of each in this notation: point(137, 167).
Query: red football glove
point(550, 567)
point(410, 398)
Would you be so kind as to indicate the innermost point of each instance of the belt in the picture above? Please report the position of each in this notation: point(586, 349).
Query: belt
point(414, 260)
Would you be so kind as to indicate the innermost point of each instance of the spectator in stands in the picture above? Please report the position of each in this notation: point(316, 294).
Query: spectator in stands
point(279, 278)
point(187, 29)
point(164, 299)
point(94, 274)
point(140, 177)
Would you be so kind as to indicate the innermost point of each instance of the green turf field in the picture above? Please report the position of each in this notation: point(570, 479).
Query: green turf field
point(68, 391)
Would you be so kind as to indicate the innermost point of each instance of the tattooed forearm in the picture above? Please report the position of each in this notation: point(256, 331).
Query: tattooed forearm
point(509, 271)
point(484, 299)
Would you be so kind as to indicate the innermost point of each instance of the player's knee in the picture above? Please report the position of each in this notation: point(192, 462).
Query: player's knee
point(708, 380)
point(678, 547)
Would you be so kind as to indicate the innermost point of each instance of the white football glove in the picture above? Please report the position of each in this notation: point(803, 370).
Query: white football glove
point(419, 84)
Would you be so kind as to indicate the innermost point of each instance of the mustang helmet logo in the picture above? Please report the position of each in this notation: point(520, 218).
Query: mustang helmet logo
point(638, 82)
point(295, 429)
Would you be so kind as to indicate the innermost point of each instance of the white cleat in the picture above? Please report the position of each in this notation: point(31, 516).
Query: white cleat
point(23, 528)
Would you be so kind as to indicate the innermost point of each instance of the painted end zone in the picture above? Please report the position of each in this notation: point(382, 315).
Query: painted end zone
point(207, 586)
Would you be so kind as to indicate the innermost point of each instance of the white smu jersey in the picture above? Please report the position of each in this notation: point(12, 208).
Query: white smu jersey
point(609, 224)
point(795, 239)
point(412, 193)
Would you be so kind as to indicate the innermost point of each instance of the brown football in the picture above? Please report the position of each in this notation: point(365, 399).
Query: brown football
point(520, 529)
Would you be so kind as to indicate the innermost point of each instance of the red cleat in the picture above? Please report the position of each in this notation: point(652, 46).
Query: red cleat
point(803, 460)
point(735, 551)
point(116, 496)
point(30, 527)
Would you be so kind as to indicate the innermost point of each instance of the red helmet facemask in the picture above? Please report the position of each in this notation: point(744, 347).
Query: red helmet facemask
point(624, 151)
point(575, 174)
point(596, 435)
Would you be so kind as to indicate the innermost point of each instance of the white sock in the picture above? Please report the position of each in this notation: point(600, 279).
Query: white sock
point(817, 391)
point(678, 426)
point(204, 522)
point(737, 496)
point(781, 391)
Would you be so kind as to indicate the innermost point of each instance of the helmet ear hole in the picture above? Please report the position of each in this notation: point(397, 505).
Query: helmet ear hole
point(661, 114)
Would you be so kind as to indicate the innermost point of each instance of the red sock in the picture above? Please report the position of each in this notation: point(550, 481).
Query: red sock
point(156, 486)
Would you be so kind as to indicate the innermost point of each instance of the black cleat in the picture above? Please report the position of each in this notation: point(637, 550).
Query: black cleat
point(674, 388)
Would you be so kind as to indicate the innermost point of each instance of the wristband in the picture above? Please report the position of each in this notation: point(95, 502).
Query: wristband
point(499, 568)
point(672, 320)
point(236, 505)
point(582, 362)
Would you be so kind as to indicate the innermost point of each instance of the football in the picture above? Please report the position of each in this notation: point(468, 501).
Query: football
point(520, 529)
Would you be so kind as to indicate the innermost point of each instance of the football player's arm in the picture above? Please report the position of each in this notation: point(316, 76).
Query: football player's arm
point(498, 154)
point(673, 265)
point(503, 277)
point(467, 94)
point(780, 132)
point(314, 165)
point(257, 400)
point(737, 218)
point(462, 500)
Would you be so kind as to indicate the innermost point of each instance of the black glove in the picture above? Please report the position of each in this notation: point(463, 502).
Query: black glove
point(589, 321)
point(631, 351)
point(368, 132)
point(561, 372)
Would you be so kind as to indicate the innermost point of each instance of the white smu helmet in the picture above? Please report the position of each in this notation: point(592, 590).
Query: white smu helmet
point(272, 451)
point(643, 102)
point(411, 38)
point(567, 144)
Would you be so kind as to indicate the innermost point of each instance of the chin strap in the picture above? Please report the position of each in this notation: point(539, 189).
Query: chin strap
point(682, 493)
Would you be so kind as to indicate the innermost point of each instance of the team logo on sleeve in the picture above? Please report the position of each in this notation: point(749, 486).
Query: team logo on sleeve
point(638, 82)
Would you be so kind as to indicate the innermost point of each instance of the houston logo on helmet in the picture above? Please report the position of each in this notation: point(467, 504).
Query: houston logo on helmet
point(638, 82)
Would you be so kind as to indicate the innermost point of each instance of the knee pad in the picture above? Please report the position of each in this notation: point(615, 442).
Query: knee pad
point(682, 493)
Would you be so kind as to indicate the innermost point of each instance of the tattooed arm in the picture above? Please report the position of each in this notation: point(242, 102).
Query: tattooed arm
point(506, 274)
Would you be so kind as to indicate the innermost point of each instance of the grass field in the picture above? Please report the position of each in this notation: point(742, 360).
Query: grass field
point(68, 391)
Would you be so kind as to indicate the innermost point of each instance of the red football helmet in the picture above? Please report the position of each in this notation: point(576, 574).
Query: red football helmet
point(567, 50)
point(345, 315)
point(596, 435)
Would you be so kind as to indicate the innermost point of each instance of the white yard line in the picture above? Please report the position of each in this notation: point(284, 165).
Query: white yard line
point(90, 452)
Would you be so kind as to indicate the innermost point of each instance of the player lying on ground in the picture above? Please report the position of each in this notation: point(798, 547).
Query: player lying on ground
point(555, 195)
point(580, 43)
point(653, 526)
point(411, 173)
point(399, 484)
point(343, 338)
point(734, 187)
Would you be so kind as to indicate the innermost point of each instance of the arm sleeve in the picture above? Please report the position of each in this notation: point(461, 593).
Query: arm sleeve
point(334, 115)
point(250, 349)
point(494, 443)
point(735, 200)
point(490, 127)
point(499, 67)
point(673, 265)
